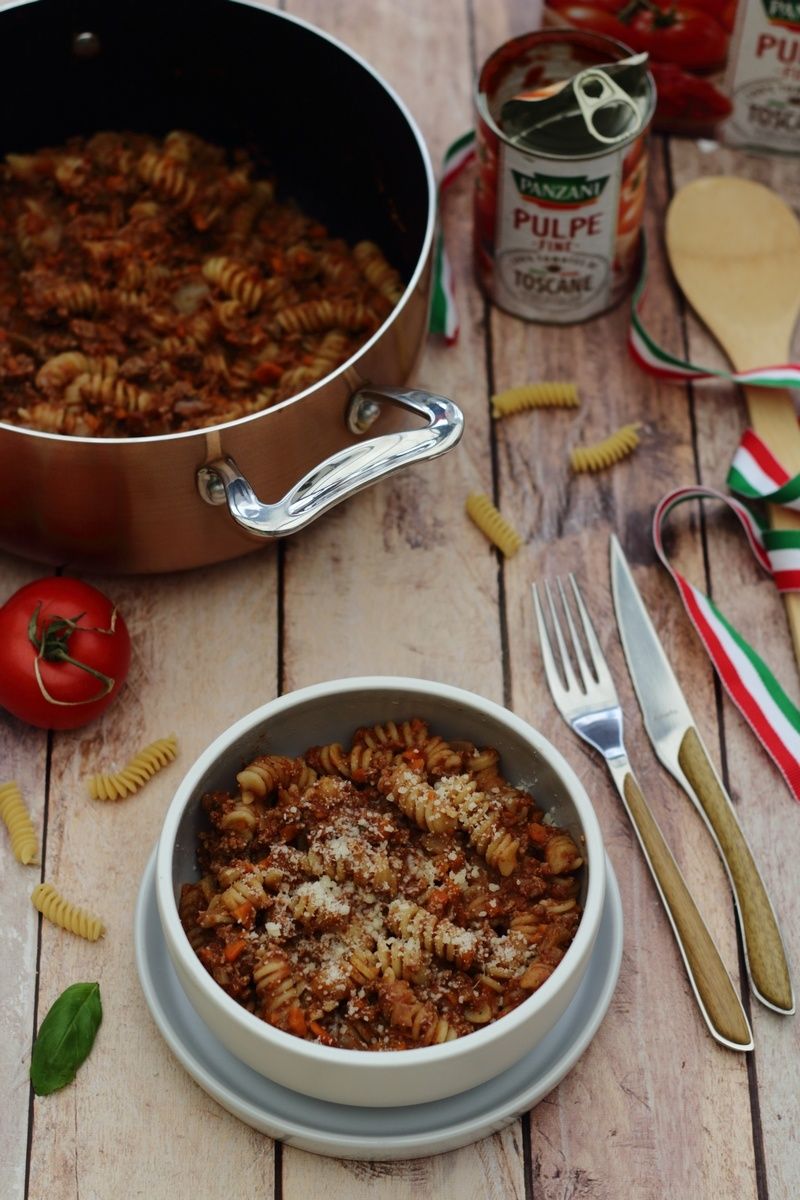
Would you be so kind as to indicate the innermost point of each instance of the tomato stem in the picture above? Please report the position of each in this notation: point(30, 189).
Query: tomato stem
point(51, 644)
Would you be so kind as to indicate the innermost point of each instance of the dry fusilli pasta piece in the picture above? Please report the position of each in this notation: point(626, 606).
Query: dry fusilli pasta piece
point(63, 913)
point(15, 815)
point(143, 766)
point(491, 523)
point(604, 454)
point(544, 394)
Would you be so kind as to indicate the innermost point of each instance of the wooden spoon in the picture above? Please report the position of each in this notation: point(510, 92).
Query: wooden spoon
point(734, 247)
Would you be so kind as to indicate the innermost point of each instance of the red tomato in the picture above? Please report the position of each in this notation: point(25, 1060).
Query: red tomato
point(684, 36)
point(598, 15)
point(64, 653)
point(684, 101)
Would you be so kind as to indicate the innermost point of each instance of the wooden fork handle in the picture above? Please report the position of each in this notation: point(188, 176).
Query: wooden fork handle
point(718, 1000)
point(766, 957)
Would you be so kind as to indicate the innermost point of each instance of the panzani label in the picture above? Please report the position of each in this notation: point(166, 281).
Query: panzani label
point(556, 234)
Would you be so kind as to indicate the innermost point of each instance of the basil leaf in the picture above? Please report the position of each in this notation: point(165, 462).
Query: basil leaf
point(66, 1036)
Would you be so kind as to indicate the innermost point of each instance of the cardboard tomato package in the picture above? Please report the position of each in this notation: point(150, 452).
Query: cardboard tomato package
point(687, 41)
point(64, 653)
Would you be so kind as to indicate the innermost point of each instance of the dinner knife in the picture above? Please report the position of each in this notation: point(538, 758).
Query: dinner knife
point(678, 745)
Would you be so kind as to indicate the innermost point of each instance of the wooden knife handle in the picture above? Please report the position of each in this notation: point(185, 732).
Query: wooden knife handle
point(766, 958)
point(718, 998)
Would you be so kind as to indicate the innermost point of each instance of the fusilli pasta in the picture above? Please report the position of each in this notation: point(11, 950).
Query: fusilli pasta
point(604, 454)
point(394, 892)
point(545, 394)
point(493, 524)
point(15, 815)
point(135, 774)
point(53, 907)
point(213, 296)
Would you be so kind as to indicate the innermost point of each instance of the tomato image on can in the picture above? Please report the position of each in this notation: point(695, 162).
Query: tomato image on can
point(562, 172)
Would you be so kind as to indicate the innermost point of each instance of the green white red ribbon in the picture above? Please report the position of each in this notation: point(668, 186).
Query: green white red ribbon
point(444, 314)
point(771, 714)
point(657, 361)
point(756, 474)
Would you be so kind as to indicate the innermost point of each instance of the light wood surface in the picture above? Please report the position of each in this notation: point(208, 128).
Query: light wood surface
point(397, 580)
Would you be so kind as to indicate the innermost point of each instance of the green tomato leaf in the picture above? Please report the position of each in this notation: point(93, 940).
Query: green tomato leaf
point(66, 1036)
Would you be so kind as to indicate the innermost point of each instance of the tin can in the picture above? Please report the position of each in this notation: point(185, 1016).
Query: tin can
point(557, 219)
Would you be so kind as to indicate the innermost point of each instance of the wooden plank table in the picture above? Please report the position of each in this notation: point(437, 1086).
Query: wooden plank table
point(398, 581)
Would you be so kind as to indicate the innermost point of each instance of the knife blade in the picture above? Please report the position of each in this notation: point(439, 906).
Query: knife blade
point(679, 747)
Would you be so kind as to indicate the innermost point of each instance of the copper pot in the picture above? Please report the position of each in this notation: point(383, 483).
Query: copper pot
point(347, 149)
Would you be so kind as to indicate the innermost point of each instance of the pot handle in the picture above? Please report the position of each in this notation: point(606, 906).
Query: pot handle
point(344, 473)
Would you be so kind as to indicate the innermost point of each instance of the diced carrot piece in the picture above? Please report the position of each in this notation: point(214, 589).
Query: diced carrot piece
point(243, 912)
point(296, 1021)
point(267, 372)
point(538, 833)
point(233, 950)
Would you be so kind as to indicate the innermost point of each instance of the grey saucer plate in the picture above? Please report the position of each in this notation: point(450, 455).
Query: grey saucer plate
point(345, 1131)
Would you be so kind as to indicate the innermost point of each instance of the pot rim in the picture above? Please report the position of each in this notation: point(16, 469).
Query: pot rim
point(341, 370)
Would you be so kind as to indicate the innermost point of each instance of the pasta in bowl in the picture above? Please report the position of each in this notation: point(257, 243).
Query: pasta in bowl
point(380, 891)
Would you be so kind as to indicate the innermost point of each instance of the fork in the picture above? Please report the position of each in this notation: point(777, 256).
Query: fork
point(589, 704)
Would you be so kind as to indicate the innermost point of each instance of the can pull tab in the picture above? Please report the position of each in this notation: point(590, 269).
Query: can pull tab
point(596, 94)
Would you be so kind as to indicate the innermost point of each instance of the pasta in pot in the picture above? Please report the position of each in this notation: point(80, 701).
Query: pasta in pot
point(154, 286)
point(394, 893)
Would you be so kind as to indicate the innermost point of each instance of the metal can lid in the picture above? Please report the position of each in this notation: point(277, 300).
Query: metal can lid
point(566, 93)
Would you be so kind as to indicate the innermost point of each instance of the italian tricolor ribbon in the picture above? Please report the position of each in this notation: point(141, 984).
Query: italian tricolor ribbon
point(444, 314)
point(771, 714)
point(657, 361)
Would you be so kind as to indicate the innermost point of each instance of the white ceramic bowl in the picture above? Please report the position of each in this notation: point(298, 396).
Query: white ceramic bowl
point(331, 712)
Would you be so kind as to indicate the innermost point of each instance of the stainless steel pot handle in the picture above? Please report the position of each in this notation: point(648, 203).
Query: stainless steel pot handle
point(344, 473)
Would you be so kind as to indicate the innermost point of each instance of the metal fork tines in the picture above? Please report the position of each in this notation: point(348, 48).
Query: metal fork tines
point(584, 693)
